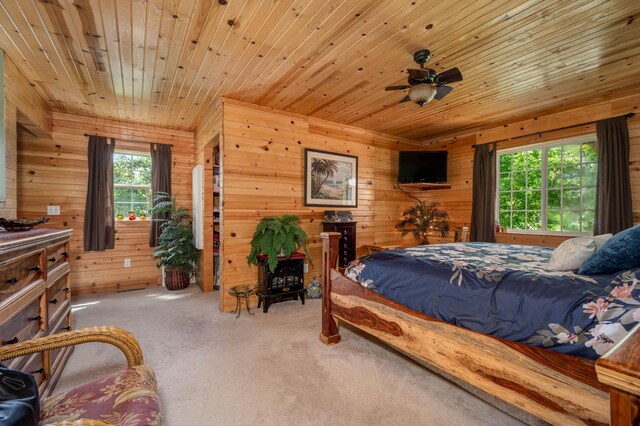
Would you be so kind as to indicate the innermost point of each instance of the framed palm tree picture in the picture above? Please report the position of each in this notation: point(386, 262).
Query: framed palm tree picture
point(330, 179)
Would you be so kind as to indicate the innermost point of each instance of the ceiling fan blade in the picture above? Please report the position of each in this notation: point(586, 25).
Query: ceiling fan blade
point(452, 75)
point(397, 87)
point(442, 91)
point(419, 74)
point(405, 99)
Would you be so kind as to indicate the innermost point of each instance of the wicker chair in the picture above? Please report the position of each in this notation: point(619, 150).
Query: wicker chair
point(125, 397)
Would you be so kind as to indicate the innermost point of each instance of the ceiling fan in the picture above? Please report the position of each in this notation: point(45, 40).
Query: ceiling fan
point(425, 84)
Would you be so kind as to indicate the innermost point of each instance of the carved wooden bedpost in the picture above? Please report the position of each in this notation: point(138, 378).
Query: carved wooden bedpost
point(330, 243)
point(619, 368)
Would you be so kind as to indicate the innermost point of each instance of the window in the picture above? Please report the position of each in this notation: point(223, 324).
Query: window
point(550, 188)
point(3, 161)
point(132, 182)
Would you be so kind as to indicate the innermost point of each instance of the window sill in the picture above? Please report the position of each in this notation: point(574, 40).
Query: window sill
point(127, 222)
point(545, 234)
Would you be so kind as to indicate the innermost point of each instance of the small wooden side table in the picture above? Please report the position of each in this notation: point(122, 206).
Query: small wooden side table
point(461, 234)
point(241, 292)
point(373, 249)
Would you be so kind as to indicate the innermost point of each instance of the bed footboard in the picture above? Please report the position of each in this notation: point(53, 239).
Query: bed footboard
point(330, 243)
point(558, 388)
point(619, 368)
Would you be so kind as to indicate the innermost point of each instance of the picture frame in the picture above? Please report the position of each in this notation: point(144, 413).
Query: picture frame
point(330, 179)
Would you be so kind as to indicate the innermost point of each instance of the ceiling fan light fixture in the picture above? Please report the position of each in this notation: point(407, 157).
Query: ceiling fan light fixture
point(422, 93)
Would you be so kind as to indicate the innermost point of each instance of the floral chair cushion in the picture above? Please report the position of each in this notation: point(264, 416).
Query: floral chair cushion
point(125, 398)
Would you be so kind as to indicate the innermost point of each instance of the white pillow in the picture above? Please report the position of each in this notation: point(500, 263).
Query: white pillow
point(601, 239)
point(570, 254)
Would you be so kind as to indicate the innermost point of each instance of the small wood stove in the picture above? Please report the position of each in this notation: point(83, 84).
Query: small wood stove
point(285, 283)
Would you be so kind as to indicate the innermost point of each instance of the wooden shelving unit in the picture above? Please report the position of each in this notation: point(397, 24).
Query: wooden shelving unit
point(217, 211)
point(424, 186)
point(209, 277)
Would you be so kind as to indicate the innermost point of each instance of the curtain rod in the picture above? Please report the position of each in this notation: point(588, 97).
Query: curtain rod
point(629, 115)
point(133, 140)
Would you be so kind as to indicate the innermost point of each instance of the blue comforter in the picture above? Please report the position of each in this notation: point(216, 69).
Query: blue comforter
point(509, 292)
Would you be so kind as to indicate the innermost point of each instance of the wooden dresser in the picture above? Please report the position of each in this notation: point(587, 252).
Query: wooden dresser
point(347, 232)
point(35, 298)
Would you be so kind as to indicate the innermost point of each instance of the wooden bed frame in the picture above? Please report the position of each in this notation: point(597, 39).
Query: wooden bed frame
point(558, 388)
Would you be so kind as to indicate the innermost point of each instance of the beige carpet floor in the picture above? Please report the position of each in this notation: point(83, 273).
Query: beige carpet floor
point(267, 369)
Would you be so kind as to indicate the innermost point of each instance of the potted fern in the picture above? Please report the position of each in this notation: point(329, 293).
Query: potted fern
point(277, 236)
point(176, 249)
point(419, 219)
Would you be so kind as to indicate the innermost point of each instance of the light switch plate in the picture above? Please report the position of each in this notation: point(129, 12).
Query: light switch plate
point(53, 210)
point(127, 263)
point(306, 268)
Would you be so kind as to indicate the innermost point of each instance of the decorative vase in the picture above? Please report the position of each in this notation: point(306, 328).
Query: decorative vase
point(314, 289)
point(175, 279)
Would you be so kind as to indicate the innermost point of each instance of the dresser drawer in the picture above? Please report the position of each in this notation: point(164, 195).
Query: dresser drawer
point(24, 325)
point(19, 363)
point(61, 320)
point(347, 233)
point(19, 272)
point(62, 324)
point(35, 367)
point(57, 255)
point(58, 294)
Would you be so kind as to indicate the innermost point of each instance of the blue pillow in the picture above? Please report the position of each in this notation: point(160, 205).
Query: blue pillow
point(619, 253)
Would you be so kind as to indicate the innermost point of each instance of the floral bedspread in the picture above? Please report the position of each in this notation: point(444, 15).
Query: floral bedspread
point(509, 292)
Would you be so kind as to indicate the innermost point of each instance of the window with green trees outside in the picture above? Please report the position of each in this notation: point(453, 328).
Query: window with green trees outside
point(548, 188)
point(132, 183)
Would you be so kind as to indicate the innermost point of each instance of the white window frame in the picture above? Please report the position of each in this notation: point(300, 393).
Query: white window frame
point(125, 186)
point(544, 184)
point(3, 155)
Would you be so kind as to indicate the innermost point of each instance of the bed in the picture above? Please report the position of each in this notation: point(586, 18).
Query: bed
point(560, 346)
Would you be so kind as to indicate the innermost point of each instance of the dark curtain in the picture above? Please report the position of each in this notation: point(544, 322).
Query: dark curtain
point(613, 197)
point(160, 182)
point(483, 209)
point(99, 216)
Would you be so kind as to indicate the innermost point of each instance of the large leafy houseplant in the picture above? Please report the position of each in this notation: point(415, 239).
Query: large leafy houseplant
point(277, 236)
point(419, 219)
point(176, 250)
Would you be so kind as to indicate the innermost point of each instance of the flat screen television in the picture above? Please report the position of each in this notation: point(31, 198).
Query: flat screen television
point(422, 167)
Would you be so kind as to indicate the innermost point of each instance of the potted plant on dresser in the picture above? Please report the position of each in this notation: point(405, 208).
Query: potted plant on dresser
point(274, 248)
point(176, 251)
point(421, 218)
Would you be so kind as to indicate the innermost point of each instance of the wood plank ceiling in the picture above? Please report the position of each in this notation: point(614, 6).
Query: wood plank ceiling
point(165, 62)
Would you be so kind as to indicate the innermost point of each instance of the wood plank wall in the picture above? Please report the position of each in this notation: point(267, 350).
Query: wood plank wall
point(263, 172)
point(53, 171)
point(457, 200)
point(20, 98)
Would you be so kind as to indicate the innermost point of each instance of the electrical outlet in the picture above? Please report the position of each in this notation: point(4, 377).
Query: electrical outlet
point(127, 263)
point(306, 268)
point(53, 210)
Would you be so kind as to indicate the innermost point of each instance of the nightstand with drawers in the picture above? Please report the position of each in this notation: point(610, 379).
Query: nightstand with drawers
point(347, 231)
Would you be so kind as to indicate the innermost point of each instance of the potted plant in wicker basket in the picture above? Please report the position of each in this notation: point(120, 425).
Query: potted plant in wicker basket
point(176, 249)
point(275, 237)
point(419, 219)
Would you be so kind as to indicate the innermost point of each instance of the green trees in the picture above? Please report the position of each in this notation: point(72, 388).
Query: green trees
point(132, 182)
point(558, 180)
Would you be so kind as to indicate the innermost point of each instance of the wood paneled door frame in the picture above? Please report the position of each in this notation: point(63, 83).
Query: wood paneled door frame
point(208, 274)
